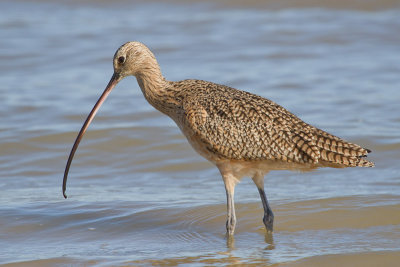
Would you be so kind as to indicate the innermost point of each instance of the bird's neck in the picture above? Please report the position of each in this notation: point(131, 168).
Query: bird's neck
point(156, 89)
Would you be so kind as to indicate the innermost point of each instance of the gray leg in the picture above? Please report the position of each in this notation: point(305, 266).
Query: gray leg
point(230, 182)
point(231, 219)
point(268, 218)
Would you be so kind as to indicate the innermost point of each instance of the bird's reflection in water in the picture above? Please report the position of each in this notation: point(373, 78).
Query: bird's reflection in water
point(269, 240)
point(230, 242)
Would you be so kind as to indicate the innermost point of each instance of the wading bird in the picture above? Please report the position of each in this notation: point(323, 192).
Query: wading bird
point(241, 133)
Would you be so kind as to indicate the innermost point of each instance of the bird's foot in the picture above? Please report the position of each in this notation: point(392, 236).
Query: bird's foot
point(268, 220)
point(230, 226)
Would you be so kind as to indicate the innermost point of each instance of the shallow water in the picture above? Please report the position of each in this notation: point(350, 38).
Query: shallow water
point(138, 193)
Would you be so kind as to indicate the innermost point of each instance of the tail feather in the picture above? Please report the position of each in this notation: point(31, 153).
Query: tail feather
point(338, 151)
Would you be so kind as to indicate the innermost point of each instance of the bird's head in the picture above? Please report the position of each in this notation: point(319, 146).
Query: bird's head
point(131, 59)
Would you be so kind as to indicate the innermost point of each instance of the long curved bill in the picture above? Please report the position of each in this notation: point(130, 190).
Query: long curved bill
point(111, 84)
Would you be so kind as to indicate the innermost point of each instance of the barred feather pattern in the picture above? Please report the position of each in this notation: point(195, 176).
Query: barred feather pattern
point(238, 125)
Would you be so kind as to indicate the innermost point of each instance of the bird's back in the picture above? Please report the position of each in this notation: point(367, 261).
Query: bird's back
point(223, 123)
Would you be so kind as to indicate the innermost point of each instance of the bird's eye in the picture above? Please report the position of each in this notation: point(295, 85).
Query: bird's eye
point(121, 60)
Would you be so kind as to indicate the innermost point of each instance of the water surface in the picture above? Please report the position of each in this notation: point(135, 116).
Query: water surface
point(138, 193)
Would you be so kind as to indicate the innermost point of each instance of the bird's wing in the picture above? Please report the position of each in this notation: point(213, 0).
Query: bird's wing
point(238, 125)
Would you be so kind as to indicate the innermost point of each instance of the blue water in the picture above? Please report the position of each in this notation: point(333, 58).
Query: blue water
point(138, 193)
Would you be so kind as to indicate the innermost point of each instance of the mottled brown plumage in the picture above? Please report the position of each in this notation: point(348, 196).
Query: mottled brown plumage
point(242, 133)
point(237, 125)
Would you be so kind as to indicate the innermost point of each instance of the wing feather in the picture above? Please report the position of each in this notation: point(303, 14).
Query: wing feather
point(238, 125)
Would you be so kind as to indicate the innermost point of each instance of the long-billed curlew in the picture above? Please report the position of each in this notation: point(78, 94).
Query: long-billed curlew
point(241, 133)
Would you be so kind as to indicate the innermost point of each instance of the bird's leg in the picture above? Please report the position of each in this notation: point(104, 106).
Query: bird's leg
point(268, 218)
point(230, 192)
point(230, 182)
